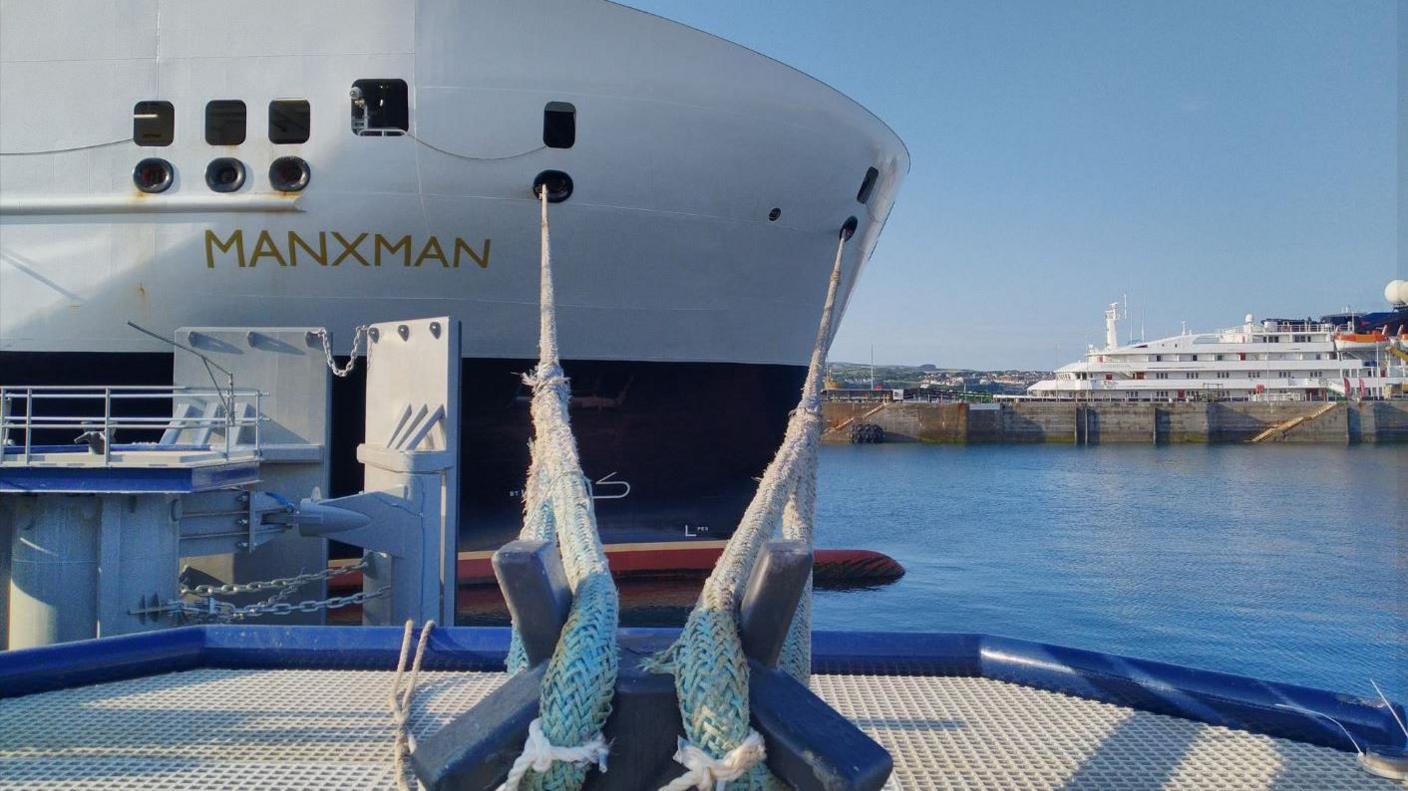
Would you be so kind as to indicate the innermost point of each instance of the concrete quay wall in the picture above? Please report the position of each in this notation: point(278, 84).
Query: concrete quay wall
point(1097, 423)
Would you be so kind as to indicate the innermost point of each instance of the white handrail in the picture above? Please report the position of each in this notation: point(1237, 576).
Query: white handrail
point(235, 404)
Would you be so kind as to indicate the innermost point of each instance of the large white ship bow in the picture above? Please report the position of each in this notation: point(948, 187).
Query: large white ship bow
point(685, 146)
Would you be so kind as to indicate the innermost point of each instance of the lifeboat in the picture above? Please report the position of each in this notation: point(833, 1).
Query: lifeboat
point(1352, 340)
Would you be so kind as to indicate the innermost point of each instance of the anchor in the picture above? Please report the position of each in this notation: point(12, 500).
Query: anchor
point(809, 745)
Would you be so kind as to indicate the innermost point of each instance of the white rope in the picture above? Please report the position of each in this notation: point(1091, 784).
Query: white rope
point(401, 699)
point(69, 149)
point(471, 157)
point(707, 772)
point(580, 678)
point(710, 668)
point(539, 755)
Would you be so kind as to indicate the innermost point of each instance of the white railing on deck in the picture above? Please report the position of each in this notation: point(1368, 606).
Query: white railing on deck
point(228, 411)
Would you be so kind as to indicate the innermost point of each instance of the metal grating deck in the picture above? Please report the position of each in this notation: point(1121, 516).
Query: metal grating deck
point(317, 729)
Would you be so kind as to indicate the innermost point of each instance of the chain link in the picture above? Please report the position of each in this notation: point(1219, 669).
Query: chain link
point(358, 336)
point(223, 612)
point(289, 583)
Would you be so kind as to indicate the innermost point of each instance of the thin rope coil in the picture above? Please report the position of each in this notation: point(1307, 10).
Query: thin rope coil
point(706, 772)
point(400, 699)
point(539, 754)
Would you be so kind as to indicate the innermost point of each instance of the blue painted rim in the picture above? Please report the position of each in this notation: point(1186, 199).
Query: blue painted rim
point(1223, 699)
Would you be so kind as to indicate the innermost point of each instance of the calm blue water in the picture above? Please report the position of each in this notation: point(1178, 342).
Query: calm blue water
point(1287, 563)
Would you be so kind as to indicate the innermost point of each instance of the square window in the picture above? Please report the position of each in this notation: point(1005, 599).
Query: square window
point(153, 123)
point(288, 120)
point(867, 185)
point(559, 125)
point(224, 122)
point(380, 107)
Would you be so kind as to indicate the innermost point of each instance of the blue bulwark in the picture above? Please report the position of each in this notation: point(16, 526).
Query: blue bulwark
point(1217, 698)
point(128, 480)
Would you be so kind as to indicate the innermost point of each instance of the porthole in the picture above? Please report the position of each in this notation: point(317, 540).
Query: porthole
point(225, 174)
point(557, 183)
point(867, 185)
point(774, 214)
point(848, 229)
point(153, 175)
point(289, 174)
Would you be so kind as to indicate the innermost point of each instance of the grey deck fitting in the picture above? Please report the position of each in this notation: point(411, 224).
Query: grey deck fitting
point(535, 588)
point(810, 746)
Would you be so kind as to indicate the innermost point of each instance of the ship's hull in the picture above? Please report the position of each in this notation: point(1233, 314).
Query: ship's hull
point(676, 446)
point(709, 182)
point(710, 185)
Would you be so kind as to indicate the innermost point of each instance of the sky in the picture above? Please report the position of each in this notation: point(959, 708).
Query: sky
point(1206, 159)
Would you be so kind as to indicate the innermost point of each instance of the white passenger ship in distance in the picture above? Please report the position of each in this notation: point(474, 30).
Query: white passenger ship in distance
point(1337, 356)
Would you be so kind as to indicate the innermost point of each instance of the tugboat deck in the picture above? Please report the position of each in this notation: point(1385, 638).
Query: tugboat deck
point(293, 728)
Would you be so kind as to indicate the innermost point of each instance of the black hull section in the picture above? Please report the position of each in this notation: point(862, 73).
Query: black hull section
point(689, 438)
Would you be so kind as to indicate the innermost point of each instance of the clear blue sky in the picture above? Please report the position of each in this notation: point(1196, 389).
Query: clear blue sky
point(1209, 159)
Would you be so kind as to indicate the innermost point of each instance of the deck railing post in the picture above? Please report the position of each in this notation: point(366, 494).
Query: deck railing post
point(28, 420)
point(107, 426)
point(230, 424)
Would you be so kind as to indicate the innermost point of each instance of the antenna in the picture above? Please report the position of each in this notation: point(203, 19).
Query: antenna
point(209, 363)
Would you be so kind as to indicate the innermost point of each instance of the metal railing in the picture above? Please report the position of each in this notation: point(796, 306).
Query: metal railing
point(25, 410)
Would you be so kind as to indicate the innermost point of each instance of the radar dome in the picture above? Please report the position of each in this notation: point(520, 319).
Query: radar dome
point(1396, 292)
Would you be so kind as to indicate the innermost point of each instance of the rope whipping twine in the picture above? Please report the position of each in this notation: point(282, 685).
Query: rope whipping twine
point(580, 679)
point(710, 669)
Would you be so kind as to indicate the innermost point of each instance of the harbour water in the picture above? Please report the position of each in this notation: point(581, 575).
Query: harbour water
point(1284, 563)
point(1287, 563)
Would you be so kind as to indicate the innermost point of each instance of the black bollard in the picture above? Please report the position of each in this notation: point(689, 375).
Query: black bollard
point(535, 588)
point(809, 745)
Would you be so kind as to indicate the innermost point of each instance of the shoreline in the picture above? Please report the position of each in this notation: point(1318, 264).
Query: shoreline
point(1093, 423)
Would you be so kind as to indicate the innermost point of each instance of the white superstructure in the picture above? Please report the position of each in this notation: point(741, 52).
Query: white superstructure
point(1273, 359)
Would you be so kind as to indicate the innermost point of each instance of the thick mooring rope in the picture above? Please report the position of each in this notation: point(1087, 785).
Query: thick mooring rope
point(711, 671)
point(581, 676)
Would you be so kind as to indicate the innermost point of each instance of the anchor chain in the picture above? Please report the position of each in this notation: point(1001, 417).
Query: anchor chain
point(358, 336)
point(223, 612)
point(234, 588)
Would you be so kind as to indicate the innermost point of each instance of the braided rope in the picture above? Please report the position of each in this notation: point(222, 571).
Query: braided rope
point(710, 669)
point(580, 679)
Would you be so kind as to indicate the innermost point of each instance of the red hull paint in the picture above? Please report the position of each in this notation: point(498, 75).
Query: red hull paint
point(685, 558)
